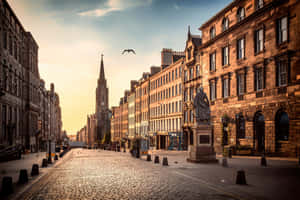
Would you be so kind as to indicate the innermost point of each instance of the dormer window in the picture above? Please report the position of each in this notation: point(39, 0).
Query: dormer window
point(212, 32)
point(189, 51)
point(259, 4)
point(225, 24)
point(240, 14)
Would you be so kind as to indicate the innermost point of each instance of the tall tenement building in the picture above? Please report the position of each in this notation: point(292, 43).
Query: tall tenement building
point(249, 59)
point(24, 101)
point(102, 110)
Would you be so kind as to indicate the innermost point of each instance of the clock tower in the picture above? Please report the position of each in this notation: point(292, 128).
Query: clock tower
point(102, 110)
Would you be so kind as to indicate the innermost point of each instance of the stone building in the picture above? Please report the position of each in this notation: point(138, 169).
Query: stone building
point(166, 103)
point(82, 135)
point(144, 127)
point(102, 106)
point(91, 128)
point(131, 113)
point(115, 125)
point(250, 60)
point(192, 80)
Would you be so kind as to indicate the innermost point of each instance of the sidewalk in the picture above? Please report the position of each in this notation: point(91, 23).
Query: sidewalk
point(280, 179)
point(12, 168)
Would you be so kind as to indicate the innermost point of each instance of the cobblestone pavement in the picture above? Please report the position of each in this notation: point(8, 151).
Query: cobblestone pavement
point(94, 174)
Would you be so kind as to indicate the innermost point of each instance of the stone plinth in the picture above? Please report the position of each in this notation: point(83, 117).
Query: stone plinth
point(202, 150)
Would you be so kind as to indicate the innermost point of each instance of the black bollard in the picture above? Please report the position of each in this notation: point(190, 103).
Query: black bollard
point(35, 170)
point(7, 185)
point(241, 178)
point(55, 157)
point(148, 157)
point(44, 163)
point(263, 161)
point(224, 162)
point(23, 177)
point(49, 159)
point(165, 161)
point(156, 159)
point(124, 150)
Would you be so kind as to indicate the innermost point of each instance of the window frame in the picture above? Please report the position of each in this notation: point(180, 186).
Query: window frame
point(279, 30)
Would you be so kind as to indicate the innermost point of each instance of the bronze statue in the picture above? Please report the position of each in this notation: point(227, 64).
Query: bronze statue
point(201, 106)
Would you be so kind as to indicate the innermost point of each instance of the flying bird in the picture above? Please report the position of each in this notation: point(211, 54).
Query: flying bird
point(128, 51)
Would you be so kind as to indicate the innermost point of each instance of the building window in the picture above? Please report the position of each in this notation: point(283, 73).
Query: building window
point(185, 75)
point(198, 70)
point(176, 90)
point(185, 95)
point(180, 106)
point(191, 116)
point(191, 93)
point(240, 14)
point(225, 56)
point(282, 126)
point(191, 73)
point(259, 79)
point(282, 30)
point(212, 62)
point(189, 51)
point(176, 74)
point(225, 87)
point(240, 84)
point(179, 88)
point(225, 24)
point(212, 32)
point(185, 116)
point(173, 75)
point(259, 4)
point(240, 126)
point(240, 48)
point(259, 40)
point(212, 90)
point(282, 69)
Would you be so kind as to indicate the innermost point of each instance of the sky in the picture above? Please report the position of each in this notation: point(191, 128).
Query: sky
point(72, 34)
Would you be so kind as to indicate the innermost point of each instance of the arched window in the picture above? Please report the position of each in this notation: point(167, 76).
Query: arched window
point(241, 14)
point(282, 126)
point(225, 24)
point(212, 32)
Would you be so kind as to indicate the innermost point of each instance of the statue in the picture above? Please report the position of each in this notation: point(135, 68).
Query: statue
point(201, 106)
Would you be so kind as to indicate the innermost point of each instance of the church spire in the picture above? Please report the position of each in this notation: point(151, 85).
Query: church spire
point(102, 75)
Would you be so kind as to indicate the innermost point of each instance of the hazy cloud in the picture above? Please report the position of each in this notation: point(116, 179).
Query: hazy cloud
point(114, 5)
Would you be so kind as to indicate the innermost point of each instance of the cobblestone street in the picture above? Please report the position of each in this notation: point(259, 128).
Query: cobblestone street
point(97, 174)
point(90, 174)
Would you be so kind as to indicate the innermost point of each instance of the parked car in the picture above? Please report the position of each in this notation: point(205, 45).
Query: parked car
point(10, 152)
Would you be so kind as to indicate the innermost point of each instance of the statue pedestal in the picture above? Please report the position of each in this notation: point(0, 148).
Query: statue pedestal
point(202, 150)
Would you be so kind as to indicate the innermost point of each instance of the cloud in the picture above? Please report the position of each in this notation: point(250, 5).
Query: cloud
point(113, 6)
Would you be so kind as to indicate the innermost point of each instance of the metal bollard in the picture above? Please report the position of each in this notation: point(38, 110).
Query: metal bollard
point(263, 161)
point(35, 170)
point(7, 185)
point(156, 159)
point(224, 162)
point(241, 178)
point(165, 161)
point(23, 177)
point(148, 157)
point(44, 163)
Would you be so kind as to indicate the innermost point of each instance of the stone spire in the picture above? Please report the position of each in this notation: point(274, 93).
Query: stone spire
point(102, 75)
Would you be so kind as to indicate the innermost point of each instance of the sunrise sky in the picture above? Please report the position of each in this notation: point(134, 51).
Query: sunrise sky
point(73, 33)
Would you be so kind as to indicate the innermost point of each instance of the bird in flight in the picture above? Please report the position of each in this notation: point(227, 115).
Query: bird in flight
point(128, 51)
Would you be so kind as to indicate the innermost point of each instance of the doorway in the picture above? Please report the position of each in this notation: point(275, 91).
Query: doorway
point(259, 132)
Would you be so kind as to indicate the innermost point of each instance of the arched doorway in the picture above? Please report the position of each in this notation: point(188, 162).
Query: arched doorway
point(259, 132)
point(281, 128)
